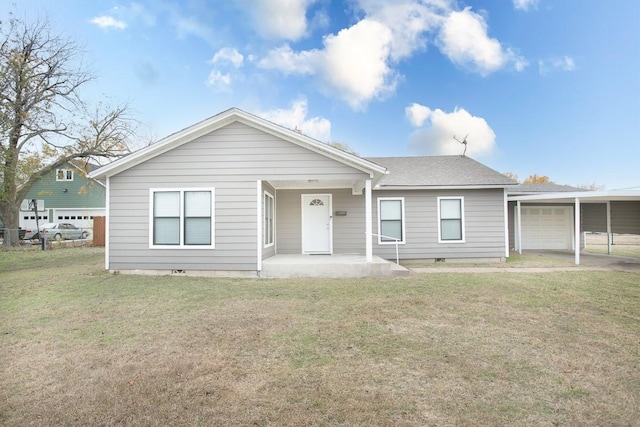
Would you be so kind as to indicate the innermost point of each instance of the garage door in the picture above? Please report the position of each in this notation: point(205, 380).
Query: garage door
point(82, 218)
point(547, 227)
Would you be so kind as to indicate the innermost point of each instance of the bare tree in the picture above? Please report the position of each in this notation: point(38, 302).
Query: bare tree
point(43, 121)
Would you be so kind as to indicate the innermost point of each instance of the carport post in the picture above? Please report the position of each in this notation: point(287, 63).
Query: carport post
point(518, 228)
point(608, 227)
point(576, 231)
point(368, 217)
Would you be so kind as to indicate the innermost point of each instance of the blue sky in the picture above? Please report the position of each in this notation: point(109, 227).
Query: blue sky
point(550, 87)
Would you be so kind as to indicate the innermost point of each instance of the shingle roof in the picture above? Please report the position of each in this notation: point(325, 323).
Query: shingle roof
point(438, 171)
point(546, 187)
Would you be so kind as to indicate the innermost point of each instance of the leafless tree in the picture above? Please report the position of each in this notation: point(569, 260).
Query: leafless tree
point(43, 121)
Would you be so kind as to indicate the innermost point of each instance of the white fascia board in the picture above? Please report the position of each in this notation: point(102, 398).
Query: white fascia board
point(584, 195)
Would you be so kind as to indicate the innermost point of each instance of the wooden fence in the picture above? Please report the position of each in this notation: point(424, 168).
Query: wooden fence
point(99, 230)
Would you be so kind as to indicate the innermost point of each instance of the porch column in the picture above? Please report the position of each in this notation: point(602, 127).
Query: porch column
point(608, 227)
point(518, 228)
point(506, 223)
point(576, 231)
point(368, 218)
point(259, 225)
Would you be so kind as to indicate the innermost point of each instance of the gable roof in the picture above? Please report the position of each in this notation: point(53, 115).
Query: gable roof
point(223, 119)
point(439, 171)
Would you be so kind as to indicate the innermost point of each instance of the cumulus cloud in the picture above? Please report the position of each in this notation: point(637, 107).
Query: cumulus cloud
point(564, 63)
point(107, 22)
point(223, 60)
point(280, 19)
point(464, 39)
point(524, 4)
point(295, 117)
point(436, 137)
point(228, 55)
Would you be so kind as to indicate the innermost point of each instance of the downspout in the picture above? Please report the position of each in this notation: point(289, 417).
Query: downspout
point(259, 226)
point(368, 217)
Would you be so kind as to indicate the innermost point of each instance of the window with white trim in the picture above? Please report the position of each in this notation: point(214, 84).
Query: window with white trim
point(450, 219)
point(182, 218)
point(269, 215)
point(391, 220)
point(64, 175)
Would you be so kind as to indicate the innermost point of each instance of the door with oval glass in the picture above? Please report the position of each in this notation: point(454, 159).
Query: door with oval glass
point(317, 232)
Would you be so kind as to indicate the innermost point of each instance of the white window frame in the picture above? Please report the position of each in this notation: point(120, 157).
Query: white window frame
point(66, 173)
point(267, 243)
point(182, 245)
point(462, 220)
point(402, 222)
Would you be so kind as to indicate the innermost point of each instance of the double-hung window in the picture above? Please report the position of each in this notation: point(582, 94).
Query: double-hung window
point(450, 219)
point(391, 220)
point(269, 211)
point(182, 218)
point(64, 175)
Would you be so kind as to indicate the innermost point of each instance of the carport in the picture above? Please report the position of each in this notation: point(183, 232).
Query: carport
point(609, 211)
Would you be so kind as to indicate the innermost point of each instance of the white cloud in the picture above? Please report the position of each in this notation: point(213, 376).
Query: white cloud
point(565, 63)
point(218, 81)
point(191, 26)
point(524, 4)
point(437, 138)
point(464, 39)
point(280, 19)
point(296, 118)
point(106, 22)
point(417, 114)
point(285, 60)
point(228, 55)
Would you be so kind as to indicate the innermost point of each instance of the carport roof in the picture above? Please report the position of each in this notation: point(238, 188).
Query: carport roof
point(629, 194)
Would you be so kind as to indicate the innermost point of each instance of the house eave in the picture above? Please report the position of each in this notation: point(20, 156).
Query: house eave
point(440, 187)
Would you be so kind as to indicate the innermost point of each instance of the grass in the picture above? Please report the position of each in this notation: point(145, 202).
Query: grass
point(623, 244)
point(83, 347)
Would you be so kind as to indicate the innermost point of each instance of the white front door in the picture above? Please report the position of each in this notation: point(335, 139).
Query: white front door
point(316, 224)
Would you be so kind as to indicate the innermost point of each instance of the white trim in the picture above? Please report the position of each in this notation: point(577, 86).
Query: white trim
point(259, 224)
point(106, 223)
point(273, 206)
point(591, 196)
point(462, 221)
point(181, 245)
point(403, 227)
point(302, 206)
point(368, 217)
point(506, 224)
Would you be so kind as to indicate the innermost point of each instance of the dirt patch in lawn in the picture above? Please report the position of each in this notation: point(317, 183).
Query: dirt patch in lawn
point(82, 347)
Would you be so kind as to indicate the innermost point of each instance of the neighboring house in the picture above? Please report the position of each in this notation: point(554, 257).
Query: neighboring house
point(230, 192)
point(69, 196)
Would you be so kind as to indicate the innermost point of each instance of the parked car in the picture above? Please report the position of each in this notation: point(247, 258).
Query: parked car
point(21, 232)
point(62, 231)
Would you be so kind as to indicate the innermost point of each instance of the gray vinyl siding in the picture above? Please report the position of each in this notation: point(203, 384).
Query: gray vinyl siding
point(231, 160)
point(625, 217)
point(593, 217)
point(484, 225)
point(348, 231)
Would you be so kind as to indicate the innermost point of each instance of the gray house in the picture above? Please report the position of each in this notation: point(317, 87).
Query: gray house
point(236, 194)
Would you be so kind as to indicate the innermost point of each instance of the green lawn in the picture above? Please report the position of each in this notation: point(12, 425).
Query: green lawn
point(83, 347)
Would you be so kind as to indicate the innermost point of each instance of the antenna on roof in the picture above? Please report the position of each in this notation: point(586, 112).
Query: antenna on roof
point(464, 142)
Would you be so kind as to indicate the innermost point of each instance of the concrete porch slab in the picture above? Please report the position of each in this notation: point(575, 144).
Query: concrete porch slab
point(332, 266)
